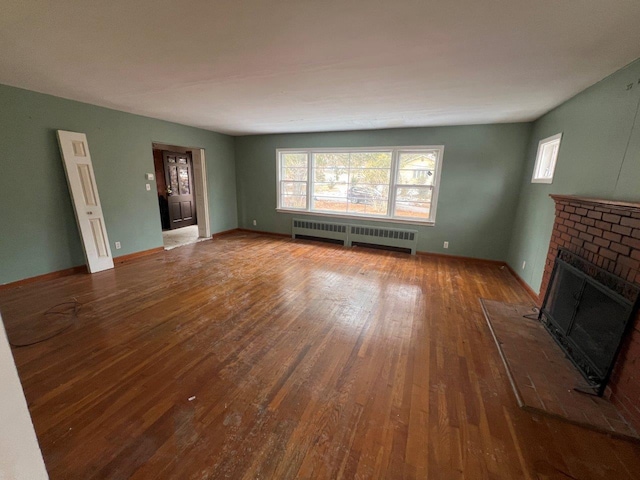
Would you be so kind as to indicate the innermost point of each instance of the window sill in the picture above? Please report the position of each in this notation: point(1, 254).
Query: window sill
point(357, 217)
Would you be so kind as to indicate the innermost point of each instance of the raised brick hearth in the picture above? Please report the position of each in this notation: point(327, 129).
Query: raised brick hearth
point(606, 233)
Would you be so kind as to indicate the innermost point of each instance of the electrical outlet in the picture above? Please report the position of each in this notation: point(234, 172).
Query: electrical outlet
point(524, 264)
point(118, 246)
point(255, 223)
point(148, 187)
point(446, 245)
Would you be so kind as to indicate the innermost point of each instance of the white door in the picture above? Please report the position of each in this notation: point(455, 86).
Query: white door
point(86, 202)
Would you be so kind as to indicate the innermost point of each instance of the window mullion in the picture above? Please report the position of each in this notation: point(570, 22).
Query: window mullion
point(310, 179)
point(393, 182)
point(279, 180)
point(430, 188)
point(349, 181)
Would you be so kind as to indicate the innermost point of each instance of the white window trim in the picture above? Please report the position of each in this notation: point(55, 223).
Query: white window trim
point(554, 138)
point(389, 218)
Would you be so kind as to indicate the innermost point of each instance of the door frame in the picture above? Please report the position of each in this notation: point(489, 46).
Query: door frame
point(200, 182)
point(202, 193)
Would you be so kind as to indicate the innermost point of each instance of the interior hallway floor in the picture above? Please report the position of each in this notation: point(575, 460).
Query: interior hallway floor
point(179, 237)
point(252, 356)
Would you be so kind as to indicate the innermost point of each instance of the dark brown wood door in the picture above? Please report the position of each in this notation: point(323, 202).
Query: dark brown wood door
point(178, 173)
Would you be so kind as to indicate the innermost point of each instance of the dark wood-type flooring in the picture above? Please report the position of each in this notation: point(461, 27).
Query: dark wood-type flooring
point(305, 360)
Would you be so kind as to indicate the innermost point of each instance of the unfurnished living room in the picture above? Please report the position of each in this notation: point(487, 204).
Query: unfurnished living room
point(320, 240)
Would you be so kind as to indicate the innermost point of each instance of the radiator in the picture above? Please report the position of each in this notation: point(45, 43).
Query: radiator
point(390, 237)
point(333, 231)
point(351, 233)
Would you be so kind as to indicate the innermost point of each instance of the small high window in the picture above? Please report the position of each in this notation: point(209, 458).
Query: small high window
point(546, 159)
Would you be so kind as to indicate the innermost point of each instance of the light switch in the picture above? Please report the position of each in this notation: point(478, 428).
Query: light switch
point(149, 176)
point(148, 187)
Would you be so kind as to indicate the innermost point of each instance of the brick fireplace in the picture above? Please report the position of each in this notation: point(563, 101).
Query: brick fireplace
point(606, 233)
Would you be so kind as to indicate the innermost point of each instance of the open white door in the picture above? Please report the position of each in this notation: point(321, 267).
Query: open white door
point(86, 202)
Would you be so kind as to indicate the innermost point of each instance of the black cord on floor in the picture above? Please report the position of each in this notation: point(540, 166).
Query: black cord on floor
point(52, 311)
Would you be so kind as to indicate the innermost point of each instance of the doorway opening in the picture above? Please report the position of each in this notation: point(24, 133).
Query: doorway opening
point(182, 194)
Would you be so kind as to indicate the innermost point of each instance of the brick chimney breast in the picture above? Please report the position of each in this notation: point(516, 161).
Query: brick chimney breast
point(606, 233)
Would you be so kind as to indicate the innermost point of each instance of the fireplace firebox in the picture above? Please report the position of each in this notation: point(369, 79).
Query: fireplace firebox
point(587, 311)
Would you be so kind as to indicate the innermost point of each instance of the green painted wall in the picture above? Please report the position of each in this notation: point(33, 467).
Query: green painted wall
point(39, 231)
point(599, 157)
point(487, 207)
point(478, 195)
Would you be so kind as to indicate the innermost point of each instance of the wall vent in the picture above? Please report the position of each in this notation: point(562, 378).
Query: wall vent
point(325, 227)
point(362, 234)
point(328, 230)
point(388, 237)
point(384, 233)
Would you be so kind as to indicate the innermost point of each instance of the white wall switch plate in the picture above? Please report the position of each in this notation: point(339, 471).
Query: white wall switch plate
point(524, 264)
point(118, 246)
point(148, 187)
point(446, 245)
point(149, 176)
point(255, 223)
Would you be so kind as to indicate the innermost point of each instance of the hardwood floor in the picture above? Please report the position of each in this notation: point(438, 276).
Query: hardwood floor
point(305, 360)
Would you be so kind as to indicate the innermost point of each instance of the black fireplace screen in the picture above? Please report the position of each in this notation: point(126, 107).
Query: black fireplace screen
point(587, 310)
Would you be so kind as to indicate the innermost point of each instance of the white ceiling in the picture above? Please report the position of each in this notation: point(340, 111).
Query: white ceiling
point(252, 66)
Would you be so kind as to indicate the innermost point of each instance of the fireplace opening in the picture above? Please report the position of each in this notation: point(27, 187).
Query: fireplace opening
point(587, 311)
